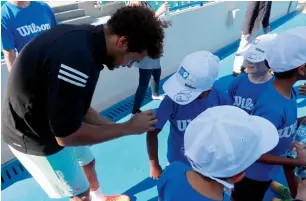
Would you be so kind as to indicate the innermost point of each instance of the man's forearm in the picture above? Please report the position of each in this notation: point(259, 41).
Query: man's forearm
point(90, 134)
point(92, 117)
point(277, 160)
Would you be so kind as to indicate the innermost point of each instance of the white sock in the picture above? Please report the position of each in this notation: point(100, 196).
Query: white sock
point(97, 195)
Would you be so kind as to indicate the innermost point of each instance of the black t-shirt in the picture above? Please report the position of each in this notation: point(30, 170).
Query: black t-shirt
point(50, 87)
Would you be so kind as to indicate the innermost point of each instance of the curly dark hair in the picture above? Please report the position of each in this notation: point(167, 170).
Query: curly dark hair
point(143, 30)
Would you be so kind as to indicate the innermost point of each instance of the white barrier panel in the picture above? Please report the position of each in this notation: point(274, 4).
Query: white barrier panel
point(210, 27)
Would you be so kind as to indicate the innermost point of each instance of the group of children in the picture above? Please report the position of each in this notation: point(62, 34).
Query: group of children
point(235, 140)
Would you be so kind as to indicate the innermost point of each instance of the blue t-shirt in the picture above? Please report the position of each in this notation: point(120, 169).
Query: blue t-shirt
point(174, 186)
point(282, 112)
point(180, 116)
point(245, 93)
point(20, 25)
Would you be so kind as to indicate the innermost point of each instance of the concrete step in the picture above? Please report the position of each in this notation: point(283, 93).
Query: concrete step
point(65, 7)
point(70, 14)
point(79, 20)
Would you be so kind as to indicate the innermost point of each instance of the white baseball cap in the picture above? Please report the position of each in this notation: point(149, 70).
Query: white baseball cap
point(224, 141)
point(256, 51)
point(288, 50)
point(197, 73)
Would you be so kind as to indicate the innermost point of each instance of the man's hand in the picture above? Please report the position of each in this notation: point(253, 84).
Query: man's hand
point(302, 89)
point(267, 29)
point(155, 171)
point(301, 153)
point(142, 122)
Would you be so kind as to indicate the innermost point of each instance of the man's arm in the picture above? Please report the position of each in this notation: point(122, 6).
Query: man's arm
point(68, 93)
point(9, 57)
point(94, 118)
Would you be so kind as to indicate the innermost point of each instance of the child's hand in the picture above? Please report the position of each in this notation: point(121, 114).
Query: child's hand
point(155, 171)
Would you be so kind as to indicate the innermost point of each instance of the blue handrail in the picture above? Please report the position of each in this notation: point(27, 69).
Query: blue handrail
point(201, 3)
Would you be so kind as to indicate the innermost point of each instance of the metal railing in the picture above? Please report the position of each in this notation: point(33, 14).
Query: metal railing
point(187, 5)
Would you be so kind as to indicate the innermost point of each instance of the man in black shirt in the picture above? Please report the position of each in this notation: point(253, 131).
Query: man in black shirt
point(49, 94)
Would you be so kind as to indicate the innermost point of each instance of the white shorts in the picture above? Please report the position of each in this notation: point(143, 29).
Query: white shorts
point(60, 174)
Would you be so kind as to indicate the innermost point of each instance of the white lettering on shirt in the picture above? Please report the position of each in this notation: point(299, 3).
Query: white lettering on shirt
point(243, 103)
point(182, 124)
point(288, 131)
point(32, 29)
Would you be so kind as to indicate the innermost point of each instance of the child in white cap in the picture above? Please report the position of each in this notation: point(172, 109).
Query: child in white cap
point(189, 92)
point(220, 144)
point(287, 59)
point(245, 89)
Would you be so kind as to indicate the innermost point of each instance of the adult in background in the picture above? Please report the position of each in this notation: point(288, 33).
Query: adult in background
point(256, 23)
point(21, 21)
point(148, 67)
point(49, 93)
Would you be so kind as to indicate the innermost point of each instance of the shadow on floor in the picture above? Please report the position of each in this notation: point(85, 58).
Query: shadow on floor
point(141, 186)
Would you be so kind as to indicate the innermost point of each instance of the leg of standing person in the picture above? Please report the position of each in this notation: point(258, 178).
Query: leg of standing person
point(156, 73)
point(59, 174)
point(87, 161)
point(144, 79)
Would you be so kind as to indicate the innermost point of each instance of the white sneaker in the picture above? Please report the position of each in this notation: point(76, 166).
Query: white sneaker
point(158, 97)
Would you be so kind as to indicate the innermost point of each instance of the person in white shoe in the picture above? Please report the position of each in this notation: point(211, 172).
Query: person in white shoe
point(148, 67)
point(256, 22)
